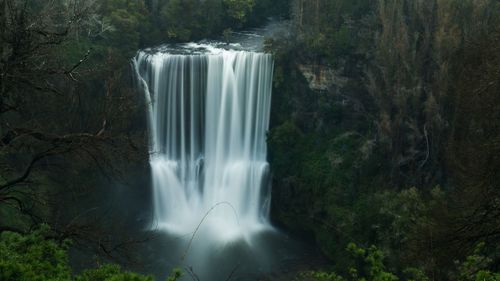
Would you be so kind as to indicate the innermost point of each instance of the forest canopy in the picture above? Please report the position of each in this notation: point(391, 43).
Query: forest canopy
point(383, 143)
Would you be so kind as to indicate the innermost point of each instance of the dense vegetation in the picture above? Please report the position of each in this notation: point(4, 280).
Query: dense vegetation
point(385, 128)
point(37, 257)
point(395, 144)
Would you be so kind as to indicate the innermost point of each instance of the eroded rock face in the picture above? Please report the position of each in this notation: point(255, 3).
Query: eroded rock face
point(322, 78)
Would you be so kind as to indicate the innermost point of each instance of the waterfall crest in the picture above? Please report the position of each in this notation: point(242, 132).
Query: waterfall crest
point(208, 116)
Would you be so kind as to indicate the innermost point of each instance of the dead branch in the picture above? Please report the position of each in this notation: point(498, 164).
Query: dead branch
point(201, 222)
point(27, 170)
point(230, 276)
point(192, 274)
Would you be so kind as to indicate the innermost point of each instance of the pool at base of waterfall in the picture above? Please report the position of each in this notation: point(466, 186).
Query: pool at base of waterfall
point(269, 255)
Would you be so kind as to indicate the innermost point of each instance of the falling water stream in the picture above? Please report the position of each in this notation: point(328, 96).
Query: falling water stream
point(208, 117)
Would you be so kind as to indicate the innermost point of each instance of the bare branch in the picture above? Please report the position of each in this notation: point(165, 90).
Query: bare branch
point(203, 219)
point(27, 170)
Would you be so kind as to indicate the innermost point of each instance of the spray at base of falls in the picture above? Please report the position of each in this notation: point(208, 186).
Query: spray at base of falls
point(208, 114)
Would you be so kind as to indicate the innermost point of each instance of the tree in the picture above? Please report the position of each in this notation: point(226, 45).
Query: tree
point(239, 10)
point(129, 21)
point(181, 19)
point(473, 146)
point(56, 111)
point(37, 257)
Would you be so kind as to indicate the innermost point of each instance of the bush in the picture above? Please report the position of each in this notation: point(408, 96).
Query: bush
point(368, 265)
point(37, 257)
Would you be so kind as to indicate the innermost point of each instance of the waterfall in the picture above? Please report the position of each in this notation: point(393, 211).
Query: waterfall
point(208, 112)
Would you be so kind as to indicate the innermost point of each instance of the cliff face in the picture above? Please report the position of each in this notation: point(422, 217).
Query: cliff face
point(321, 77)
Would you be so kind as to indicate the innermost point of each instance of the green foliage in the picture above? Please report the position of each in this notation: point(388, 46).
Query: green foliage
point(399, 154)
point(180, 18)
point(32, 257)
point(175, 275)
point(369, 266)
point(474, 268)
point(264, 9)
point(239, 9)
point(127, 23)
point(319, 276)
point(184, 20)
point(373, 264)
point(359, 162)
point(37, 257)
point(111, 273)
point(331, 29)
point(415, 274)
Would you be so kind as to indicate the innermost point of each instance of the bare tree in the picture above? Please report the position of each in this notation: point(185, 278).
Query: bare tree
point(49, 115)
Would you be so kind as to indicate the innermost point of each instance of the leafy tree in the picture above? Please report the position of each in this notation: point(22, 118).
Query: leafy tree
point(37, 257)
point(372, 260)
point(129, 23)
point(369, 266)
point(181, 19)
point(32, 257)
point(239, 9)
point(110, 273)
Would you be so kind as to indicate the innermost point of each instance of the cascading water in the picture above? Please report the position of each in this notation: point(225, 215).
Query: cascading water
point(208, 117)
